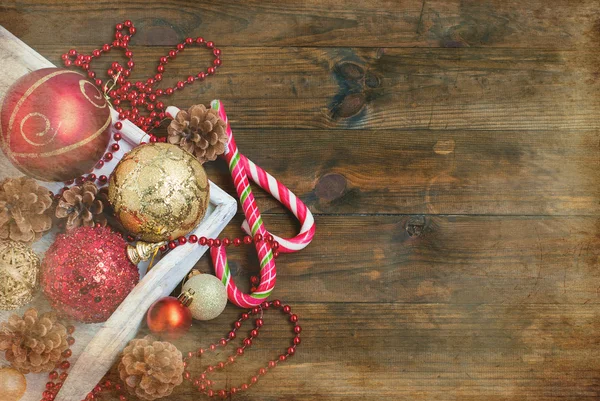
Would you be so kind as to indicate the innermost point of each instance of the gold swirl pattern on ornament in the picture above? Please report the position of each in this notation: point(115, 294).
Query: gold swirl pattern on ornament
point(40, 134)
point(99, 96)
point(165, 189)
point(11, 121)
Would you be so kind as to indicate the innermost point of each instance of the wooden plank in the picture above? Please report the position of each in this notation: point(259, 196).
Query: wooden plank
point(351, 88)
point(428, 172)
point(441, 259)
point(405, 23)
point(358, 351)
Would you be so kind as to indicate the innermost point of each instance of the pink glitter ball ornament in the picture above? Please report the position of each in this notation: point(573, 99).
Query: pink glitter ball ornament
point(86, 273)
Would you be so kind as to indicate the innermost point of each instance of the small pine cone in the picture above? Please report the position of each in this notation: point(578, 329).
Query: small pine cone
point(151, 369)
point(33, 343)
point(200, 131)
point(81, 206)
point(25, 213)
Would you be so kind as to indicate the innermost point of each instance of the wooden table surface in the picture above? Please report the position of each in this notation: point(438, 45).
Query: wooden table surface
point(449, 151)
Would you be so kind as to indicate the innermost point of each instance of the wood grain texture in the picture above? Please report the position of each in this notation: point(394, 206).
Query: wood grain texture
point(390, 23)
point(450, 153)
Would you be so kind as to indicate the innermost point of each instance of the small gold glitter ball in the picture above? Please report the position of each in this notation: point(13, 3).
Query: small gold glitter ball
point(209, 296)
point(19, 267)
point(159, 192)
point(12, 384)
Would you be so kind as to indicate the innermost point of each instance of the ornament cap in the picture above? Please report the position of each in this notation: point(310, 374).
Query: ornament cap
point(187, 297)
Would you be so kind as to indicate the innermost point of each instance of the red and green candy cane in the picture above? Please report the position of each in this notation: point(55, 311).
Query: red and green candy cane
point(240, 167)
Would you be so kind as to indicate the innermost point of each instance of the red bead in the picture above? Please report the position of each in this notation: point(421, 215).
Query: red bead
point(193, 239)
point(296, 340)
point(226, 241)
point(200, 352)
point(213, 347)
point(253, 379)
point(201, 76)
point(115, 147)
point(217, 52)
point(180, 84)
point(223, 342)
point(108, 156)
point(254, 333)
point(49, 385)
point(245, 316)
point(106, 47)
point(91, 74)
point(161, 105)
point(222, 394)
point(297, 329)
point(172, 245)
point(287, 309)
point(53, 375)
point(63, 376)
point(210, 393)
point(180, 46)
point(68, 63)
point(158, 78)
point(103, 179)
point(96, 53)
point(232, 334)
point(117, 136)
point(160, 68)
point(189, 41)
point(210, 45)
point(262, 371)
point(217, 243)
point(275, 245)
point(247, 342)
point(259, 322)
point(233, 390)
point(199, 40)
point(240, 351)
point(247, 239)
point(130, 64)
point(182, 240)
point(291, 350)
point(254, 280)
point(272, 364)
point(128, 23)
point(258, 238)
point(65, 365)
point(282, 358)
point(210, 242)
point(163, 248)
point(244, 386)
point(122, 398)
point(237, 324)
point(70, 340)
point(91, 177)
point(217, 62)
point(293, 318)
point(118, 125)
point(132, 30)
point(172, 53)
point(210, 70)
point(237, 242)
point(186, 375)
point(202, 241)
point(190, 79)
point(70, 329)
point(255, 310)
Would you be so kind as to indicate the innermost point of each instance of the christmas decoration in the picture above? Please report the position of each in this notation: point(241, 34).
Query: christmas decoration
point(33, 343)
point(24, 209)
point(142, 251)
point(81, 206)
point(159, 192)
point(19, 267)
point(12, 384)
point(199, 131)
point(207, 294)
point(204, 384)
point(169, 318)
point(86, 273)
point(151, 369)
point(54, 124)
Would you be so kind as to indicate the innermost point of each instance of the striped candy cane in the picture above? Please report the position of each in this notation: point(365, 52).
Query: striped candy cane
point(288, 199)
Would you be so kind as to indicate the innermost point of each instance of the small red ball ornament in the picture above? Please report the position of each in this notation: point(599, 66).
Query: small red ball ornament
point(86, 273)
point(169, 318)
point(55, 124)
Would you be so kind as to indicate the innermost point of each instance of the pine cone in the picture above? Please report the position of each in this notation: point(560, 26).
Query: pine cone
point(200, 131)
point(81, 206)
point(151, 369)
point(33, 343)
point(24, 209)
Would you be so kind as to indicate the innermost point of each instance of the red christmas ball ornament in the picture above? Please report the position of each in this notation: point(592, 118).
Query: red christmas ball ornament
point(169, 318)
point(55, 124)
point(86, 273)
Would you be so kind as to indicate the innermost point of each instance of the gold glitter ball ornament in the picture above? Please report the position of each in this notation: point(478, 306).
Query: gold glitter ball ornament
point(12, 384)
point(208, 296)
point(159, 192)
point(19, 267)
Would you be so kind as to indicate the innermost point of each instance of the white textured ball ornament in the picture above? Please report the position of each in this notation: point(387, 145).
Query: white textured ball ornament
point(209, 296)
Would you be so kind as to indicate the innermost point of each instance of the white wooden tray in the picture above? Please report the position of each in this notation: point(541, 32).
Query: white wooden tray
point(98, 345)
